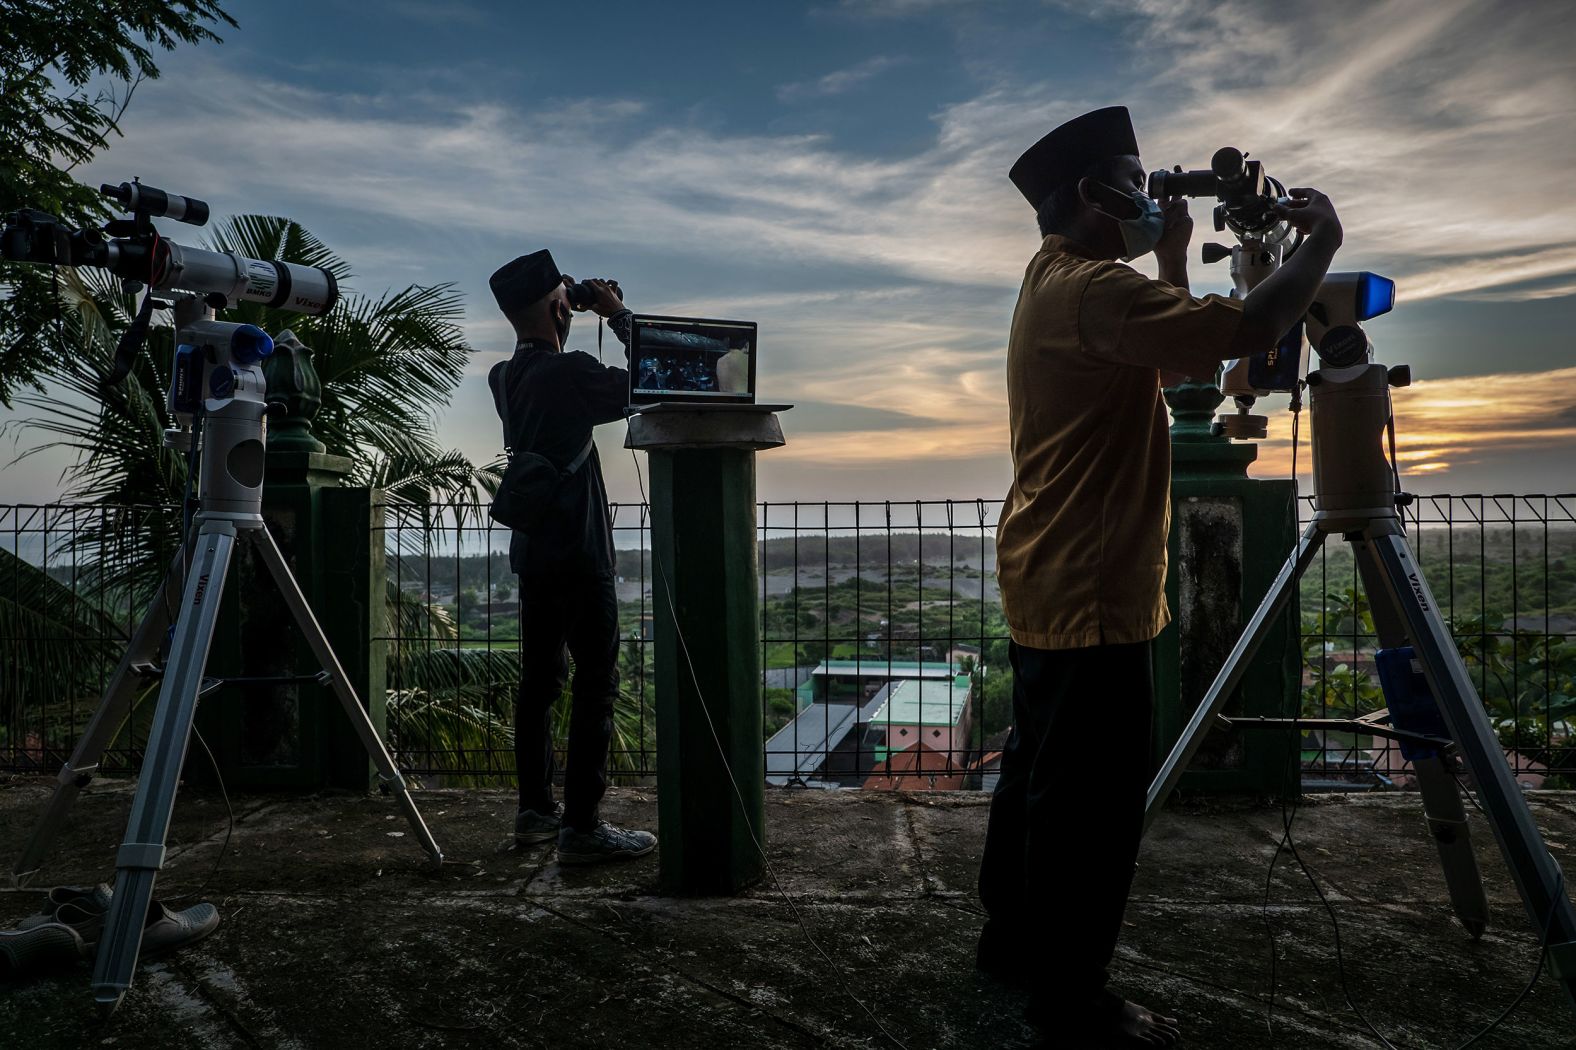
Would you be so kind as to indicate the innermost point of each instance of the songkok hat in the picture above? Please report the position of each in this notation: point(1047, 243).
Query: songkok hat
point(529, 278)
point(1066, 153)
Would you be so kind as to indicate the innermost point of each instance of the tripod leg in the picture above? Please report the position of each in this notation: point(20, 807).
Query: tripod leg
point(106, 722)
point(1231, 673)
point(141, 854)
point(387, 771)
point(1534, 870)
point(1447, 823)
point(1442, 806)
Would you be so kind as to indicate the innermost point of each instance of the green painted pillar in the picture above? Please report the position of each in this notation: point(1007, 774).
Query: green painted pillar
point(711, 776)
point(1230, 535)
point(270, 735)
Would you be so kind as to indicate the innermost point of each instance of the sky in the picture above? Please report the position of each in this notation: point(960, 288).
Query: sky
point(836, 172)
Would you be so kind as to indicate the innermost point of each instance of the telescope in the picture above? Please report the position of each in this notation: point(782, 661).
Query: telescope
point(204, 281)
point(217, 402)
point(1247, 197)
point(133, 250)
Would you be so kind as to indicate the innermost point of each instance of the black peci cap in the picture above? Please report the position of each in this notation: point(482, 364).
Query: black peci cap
point(1066, 153)
point(529, 278)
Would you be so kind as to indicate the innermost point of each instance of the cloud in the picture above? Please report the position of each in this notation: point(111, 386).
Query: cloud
point(1469, 426)
point(1413, 115)
point(1439, 127)
point(885, 283)
point(838, 82)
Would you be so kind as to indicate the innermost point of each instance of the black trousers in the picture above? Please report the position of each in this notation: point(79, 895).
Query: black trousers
point(562, 618)
point(1065, 821)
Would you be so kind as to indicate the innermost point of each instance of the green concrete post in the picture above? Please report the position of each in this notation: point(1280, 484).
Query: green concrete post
point(1230, 534)
point(711, 775)
point(296, 735)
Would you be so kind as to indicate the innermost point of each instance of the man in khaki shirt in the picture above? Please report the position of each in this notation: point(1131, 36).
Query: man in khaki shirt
point(1081, 553)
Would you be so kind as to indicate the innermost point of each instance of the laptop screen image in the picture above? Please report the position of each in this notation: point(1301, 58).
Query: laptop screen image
point(691, 360)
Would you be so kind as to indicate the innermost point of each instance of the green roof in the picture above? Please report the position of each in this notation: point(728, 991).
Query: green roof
point(924, 702)
point(878, 668)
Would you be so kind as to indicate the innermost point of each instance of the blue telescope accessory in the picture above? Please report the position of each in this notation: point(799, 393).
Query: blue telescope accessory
point(250, 344)
point(186, 383)
point(1411, 703)
point(1375, 295)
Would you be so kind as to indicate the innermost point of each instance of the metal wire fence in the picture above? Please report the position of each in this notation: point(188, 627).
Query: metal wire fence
point(73, 580)
point(1503, 570)
point(883, 648)
point(880, 627)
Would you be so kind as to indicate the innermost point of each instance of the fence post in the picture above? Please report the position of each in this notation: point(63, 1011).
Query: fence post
point(711, 770)
point(1230, 534)
point(297, 736)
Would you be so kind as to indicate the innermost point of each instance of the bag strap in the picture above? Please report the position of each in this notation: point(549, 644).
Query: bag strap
point(585, 454)
point(501, 403)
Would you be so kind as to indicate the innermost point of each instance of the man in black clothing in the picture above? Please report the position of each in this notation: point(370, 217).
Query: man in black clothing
point(550, 400)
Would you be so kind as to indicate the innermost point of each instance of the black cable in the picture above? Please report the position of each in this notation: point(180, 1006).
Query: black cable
point(1269, 878)
point(1296, 423)
point(1335, 927)
point(131, 341)
point(1548, 923)
point(1537, 971)
point(229, 830)
point(739, 793)
point(1395, 469)
point(1294, 762)
point(1288, 841)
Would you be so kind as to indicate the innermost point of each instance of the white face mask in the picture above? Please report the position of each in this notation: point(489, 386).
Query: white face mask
point(1142, 233)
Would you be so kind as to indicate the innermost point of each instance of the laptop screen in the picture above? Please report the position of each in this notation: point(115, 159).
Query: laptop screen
point(683, 359)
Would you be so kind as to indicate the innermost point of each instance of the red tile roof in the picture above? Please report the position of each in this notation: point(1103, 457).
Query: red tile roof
point(918, 768)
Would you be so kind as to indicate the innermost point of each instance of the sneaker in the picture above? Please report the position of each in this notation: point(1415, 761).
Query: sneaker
point(603, 843)
point(531, 827)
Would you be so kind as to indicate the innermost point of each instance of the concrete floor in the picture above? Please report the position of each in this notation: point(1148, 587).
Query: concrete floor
point(333, 937)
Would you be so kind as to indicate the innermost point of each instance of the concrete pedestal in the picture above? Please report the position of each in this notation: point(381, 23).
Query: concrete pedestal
point(710, 767)
point(1230, 535)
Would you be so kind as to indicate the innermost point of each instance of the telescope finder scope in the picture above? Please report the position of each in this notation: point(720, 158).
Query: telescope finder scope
point(156, 203)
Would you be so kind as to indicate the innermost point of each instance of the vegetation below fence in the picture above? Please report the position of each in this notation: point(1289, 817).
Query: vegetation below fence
point(1509, 594)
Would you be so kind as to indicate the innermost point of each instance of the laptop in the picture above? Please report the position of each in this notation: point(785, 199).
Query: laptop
point(685, 363)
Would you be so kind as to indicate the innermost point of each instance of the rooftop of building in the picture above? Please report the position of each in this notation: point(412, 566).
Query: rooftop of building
point(874, 667)
point(799, 748)
point(918, 767)
point(920, 702)
point(333, 936)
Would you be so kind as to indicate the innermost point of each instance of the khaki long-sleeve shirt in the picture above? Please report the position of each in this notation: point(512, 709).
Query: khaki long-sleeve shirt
point(1081, 546)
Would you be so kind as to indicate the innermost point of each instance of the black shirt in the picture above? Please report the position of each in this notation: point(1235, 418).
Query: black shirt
point(554, 400)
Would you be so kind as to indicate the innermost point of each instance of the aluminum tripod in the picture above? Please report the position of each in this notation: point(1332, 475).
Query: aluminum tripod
point(230, 497)
point(1356, 500)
